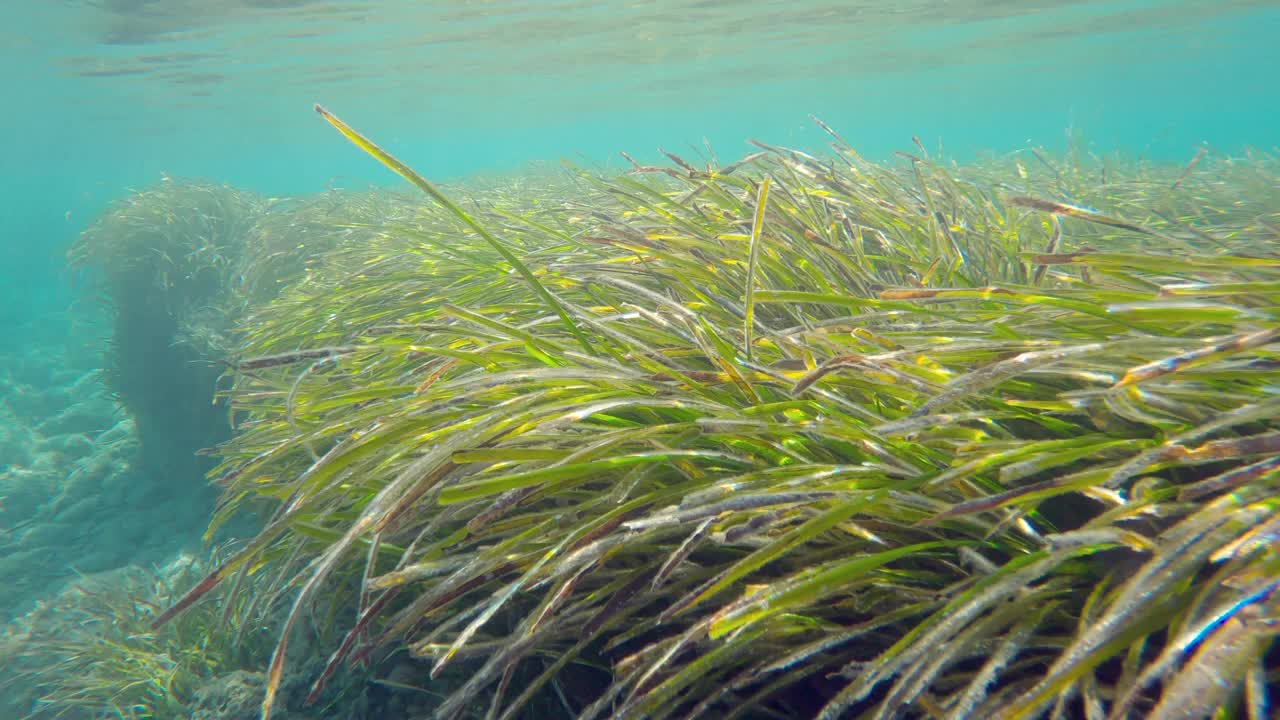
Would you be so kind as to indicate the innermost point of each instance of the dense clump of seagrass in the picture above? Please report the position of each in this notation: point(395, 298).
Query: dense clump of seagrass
point(162, 260)
point(796, 436)
point(177, 265)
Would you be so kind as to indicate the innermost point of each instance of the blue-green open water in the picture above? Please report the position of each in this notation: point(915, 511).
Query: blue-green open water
point(104, 95)
point(100, 96)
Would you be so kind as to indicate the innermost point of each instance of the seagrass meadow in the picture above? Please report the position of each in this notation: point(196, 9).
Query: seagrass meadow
point(791, 435)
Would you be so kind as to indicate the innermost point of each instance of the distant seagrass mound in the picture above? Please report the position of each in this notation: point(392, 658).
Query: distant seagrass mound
point(177, 266)
point(163, 260)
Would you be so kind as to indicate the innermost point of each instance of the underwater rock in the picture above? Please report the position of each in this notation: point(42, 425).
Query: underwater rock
point(123, 431)
point(89, 416)
point(25, 492)
point(34, 368)
point(27, 401)
point(16, 439)
point(234, 696)
point(16, 566)
point(71, 446)
point(67, 476)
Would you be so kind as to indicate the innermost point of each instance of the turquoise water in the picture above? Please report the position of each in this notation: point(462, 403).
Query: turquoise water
point(100, 96)
point(106, 95)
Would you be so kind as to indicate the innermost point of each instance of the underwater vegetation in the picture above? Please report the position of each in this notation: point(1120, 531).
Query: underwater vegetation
point(160, 261)
point(176, 266)
point(793, 436)
point(89, 652)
